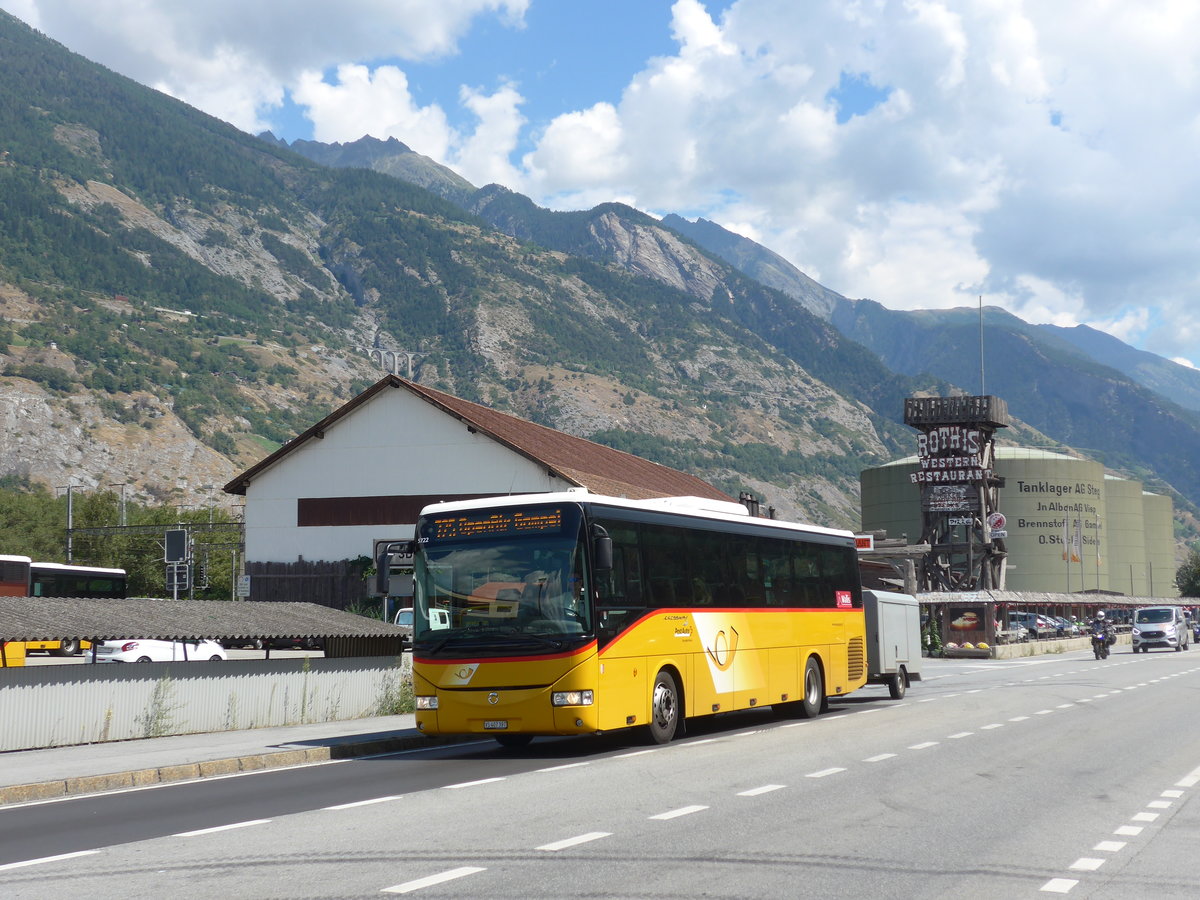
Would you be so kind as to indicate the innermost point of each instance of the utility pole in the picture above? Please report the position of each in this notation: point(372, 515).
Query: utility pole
point(121, 517)
point(70, 522)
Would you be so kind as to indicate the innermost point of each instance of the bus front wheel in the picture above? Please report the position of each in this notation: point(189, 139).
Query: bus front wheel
point(664, 708)
point(814, 690)
point(67, 648)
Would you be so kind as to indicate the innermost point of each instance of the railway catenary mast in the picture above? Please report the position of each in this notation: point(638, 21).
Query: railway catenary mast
point(960, 518)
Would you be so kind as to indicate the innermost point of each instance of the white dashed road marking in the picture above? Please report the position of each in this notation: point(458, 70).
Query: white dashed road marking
point(430, 881)
point(765, 789)
point(214, 830)
point(574, 841)
point(676, 813)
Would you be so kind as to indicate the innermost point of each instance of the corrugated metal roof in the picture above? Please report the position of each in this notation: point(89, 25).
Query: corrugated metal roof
point(56, 618)
point(1038, 598)
point(577, 460)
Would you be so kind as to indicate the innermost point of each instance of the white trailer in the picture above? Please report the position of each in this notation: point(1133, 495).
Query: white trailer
point(893, 640)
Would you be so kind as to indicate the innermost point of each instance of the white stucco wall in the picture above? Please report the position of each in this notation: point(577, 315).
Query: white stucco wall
point(394, 444)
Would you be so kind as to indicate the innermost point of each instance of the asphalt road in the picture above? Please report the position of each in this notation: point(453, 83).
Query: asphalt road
point(1048, 776)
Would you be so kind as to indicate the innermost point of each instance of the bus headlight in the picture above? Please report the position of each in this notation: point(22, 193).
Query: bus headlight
point(426, 702)
point(571, 698)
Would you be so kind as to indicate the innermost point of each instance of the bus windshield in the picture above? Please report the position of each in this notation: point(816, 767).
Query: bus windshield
point(505, 575)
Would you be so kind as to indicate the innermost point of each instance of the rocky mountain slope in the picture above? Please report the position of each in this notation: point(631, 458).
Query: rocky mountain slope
point(1078, 387)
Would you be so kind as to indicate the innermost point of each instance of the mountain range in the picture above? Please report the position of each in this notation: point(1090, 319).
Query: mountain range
point(179, 297)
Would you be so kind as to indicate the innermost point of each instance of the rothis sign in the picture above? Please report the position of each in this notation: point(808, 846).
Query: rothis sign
point(950, 454)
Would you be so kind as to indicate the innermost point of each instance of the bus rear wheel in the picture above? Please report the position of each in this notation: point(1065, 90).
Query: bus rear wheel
point(664, 708)
point(67, 648)
point(814, 690)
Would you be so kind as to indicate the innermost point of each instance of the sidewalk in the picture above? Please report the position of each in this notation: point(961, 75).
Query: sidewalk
point(66, 771)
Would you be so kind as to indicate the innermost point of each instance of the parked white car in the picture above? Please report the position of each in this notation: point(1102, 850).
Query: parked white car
point(404, 621)
point(144, 650)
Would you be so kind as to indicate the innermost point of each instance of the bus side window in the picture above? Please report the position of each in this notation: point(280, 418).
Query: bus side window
point(777, 573)
point(665, 566)
point(622, 585)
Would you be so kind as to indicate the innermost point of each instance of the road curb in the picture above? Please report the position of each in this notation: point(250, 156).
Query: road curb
point(252, 762)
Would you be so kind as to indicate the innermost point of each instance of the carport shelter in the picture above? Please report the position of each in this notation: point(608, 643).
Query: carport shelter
point(342, 634)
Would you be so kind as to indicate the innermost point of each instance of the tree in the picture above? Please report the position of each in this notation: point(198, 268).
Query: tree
point(1187, 579)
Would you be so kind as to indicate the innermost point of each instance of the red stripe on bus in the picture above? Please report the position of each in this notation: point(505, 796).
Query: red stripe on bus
point(741, 610)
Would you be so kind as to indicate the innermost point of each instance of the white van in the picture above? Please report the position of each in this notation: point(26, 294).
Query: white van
point(1160, 626)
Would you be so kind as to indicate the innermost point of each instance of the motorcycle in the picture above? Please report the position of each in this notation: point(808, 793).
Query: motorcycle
point(1100, 643)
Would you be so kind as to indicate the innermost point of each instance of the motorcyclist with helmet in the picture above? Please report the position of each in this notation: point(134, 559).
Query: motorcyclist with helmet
point(1101, 625)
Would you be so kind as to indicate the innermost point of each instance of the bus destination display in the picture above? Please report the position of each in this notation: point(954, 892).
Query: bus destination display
point(522, 522)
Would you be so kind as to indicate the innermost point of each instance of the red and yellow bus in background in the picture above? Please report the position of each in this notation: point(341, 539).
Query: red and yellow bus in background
point(573, 613)
point(20, 576)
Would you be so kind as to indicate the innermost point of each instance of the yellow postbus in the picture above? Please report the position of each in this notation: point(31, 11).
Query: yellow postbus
point(573, 613)
point(21, 576)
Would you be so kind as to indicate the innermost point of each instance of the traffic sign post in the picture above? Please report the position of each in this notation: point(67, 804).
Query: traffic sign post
point(178, 578)
point(175, 546)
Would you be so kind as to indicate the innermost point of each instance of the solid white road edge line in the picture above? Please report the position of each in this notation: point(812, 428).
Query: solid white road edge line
point(46, 859)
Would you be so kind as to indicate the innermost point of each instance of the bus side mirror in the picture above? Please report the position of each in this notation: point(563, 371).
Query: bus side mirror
point(383, 573)
point(383, 564)
point(602, 553)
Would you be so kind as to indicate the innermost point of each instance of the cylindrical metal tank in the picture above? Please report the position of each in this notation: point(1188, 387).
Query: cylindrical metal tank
point(1069, 527)
point(1125, 529)
point(1054, 506)
point(890, 501)
point(1160, 545)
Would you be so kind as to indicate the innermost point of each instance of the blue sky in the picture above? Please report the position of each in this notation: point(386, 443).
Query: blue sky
point(917, 152)
point(566, 54)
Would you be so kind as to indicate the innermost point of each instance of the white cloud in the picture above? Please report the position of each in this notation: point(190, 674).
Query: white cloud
point(1040, 154)
point(1124, 326)
point(378, 103)
point(579, 150)
point(234, 59)
point(484, 157)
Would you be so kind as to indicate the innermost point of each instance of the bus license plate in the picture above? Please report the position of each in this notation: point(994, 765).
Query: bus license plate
point(495, 724)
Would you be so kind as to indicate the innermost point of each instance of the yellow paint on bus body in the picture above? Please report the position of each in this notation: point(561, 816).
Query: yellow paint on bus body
point(724, 659)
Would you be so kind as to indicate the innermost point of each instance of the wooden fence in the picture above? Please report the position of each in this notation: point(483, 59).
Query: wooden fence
point(338, 584)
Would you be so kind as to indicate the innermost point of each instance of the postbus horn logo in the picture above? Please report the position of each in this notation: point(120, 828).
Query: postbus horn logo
point(723, 648)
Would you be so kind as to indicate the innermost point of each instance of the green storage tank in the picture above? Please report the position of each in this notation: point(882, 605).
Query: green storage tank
point(1160, 545)
point(1125, 537)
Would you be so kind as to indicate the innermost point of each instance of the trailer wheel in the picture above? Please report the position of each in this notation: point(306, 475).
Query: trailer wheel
point(898, 684)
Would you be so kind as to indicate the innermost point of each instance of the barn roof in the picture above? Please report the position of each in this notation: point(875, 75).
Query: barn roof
point(58, 618)
point(578, 461)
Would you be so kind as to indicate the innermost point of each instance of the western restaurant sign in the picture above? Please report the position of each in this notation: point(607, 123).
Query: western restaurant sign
point(950, 454)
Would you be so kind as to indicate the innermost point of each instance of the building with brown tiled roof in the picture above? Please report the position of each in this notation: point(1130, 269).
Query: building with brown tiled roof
point(362, 474)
